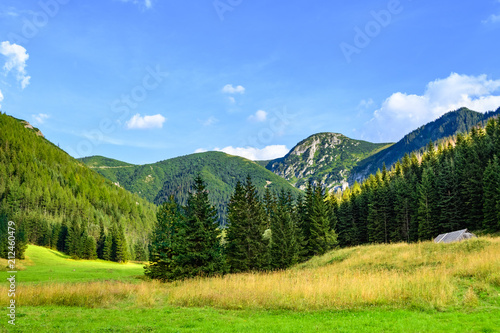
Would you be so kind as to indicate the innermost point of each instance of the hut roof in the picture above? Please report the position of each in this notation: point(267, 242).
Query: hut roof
point(454, 236)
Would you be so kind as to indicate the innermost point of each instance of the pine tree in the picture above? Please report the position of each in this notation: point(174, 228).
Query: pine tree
point(299, 216)
point(448, 196)
point(107, 251)
point(101, 241)
point(89, 250)
point(284, 246)
point(167, 243)
point(203, 254)
point(491, 198)
point(270, 206)
point(376, 216)
point(119, 249)
point(236, 232)
point(63, 234)
point(247, 249)
point(427, 209)
point(322, 238)
point(72, 244)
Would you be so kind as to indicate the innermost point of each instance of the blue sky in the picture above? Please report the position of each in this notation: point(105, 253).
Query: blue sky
point(146, 80)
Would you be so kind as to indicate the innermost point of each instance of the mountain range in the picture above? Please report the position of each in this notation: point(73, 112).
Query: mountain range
point(330, 158)
point(38, 180)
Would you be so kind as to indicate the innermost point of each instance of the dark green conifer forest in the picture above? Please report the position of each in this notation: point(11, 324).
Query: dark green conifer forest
point(452, 186)
point(59, 203)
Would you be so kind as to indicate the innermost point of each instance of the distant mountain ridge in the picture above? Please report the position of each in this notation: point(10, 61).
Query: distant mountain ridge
point(323, 157)
point(157, 181)
point(448, 125)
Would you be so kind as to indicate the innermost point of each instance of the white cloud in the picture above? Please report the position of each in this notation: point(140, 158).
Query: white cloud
point(148, 4)
point(253, 154)
point(230, 89)
point(1, 99)
point(210, 121)
point(401, 113)
point(40, 118)
point(231, 99)
point(16, 61)
point(365, 103)
point(259, 116)
point(146, 122)
point(492, 19)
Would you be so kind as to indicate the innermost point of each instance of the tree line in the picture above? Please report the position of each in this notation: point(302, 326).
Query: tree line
point(44, 190)
point(452, 186)
point(272, 232)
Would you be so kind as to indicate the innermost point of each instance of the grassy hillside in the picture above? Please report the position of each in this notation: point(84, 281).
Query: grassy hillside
point(325, 157)
point(448, 125)
point(221, 171)
point(422, 275)
point(392, 288)
point(42, 186)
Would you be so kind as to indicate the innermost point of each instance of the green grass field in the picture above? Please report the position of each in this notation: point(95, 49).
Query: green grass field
point(46, 265)
point(58, 294)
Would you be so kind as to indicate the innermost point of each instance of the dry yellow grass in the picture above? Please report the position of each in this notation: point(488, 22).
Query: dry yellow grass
point(86, 294)
point(401, 275)
point(423, 275)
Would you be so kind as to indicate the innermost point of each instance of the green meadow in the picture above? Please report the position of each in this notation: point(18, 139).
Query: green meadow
point(422, 287)
point(46, 265)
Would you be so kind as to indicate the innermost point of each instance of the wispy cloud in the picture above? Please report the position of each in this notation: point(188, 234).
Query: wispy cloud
point(365, 103)
point(147, 4)
point(493, 18)
point(210, 121)
point(16, 61)
point(401, 112)
point(1, 99)
point(259, 116)
point(40, 118)
point(230, 89)
point(146, 122)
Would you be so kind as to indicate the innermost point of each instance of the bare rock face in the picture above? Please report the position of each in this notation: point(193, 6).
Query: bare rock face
point(323, 157)
point(29, 126)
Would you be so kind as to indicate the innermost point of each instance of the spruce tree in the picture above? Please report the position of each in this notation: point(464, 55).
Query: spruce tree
point(89, 250)
point(322, 238)
point(167, 243)
point(107, 251)
point(247, 249)
point(119, 249)
point(284, 246)
point(491, 198)
point(427, 209)
point(203, 252)
point(236, 232)
point(101, 240)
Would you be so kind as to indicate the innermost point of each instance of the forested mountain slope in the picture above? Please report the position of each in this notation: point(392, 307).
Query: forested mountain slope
point(325, 157)
point(451, 187)
point(450, 124)
point(42, 189)
point(156, 182)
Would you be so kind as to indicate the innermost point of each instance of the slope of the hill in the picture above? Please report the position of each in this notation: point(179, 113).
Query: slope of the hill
point(450, 124)
point(103, 162)
point(325, 157)
point(41, 185)
point(157, 181)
